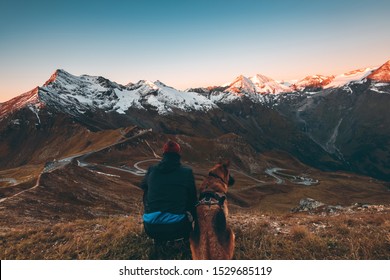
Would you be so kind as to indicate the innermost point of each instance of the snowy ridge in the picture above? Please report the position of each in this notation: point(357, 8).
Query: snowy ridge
point(241, 85)
point(78, 94)
point(85, 92)
point(29, 98)
point(266, 85)
point(168, 98)
point(315, 81)
point(258, 88)
point(258, 84)
point(382, 74)
point(324, 82)
point(352, 76)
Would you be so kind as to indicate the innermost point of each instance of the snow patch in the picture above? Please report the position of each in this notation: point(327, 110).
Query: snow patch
point(35, 110)
point(106, 174)
point(352, 76)
point(377, 90)
point(382, 84)
point(15, 122)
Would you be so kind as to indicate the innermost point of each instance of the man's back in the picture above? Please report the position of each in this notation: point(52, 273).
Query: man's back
point(169, 186)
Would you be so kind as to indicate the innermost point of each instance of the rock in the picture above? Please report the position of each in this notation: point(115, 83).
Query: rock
point(308, 204)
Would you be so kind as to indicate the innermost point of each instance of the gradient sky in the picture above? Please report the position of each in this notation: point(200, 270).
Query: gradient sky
point(188, 43)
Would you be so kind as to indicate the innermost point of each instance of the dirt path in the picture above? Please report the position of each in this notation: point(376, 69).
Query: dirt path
point(19, 193)
point(271, 172)
point(281, 177)
point(136, 165)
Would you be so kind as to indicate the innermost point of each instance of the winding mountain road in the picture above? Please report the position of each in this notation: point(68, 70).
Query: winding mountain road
point(136, 165)
point(54, 165)
point(272, 172)
point(298, 180)
point(139, 171)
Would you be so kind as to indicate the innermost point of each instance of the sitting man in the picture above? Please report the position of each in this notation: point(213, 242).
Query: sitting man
point(169, 198)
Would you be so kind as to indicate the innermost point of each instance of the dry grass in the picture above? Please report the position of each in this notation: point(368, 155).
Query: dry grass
point(299, 233)
point(347, 236)
point(110, 238)
point(354, 237)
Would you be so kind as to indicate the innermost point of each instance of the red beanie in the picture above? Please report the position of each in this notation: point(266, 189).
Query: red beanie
point(171, 147)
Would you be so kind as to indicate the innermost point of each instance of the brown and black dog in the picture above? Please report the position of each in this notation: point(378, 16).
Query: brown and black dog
point(212, 238)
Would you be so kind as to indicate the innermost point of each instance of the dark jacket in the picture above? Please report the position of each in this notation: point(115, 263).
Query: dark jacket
point(169, 187)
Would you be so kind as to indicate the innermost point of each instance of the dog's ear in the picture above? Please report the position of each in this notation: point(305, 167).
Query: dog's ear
point(231, 180)
point(226, 164)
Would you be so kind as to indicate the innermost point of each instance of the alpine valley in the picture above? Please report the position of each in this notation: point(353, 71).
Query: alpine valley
point(75, 148)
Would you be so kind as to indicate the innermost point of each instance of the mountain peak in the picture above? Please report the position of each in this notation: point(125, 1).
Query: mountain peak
point(267, 85)
point(314, 81)
point(242, 84)
point(240, 79)
point(382, 74)
point(29, 98)
point(259, 78)
point(58, 73)
point(258, 84)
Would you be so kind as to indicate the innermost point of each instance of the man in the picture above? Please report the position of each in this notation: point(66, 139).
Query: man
point(169, 197)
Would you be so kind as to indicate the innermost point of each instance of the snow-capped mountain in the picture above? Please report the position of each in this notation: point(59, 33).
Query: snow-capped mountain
point(382, 74)
point(312, 82)
point(78, 94)
point(98, 92)
point(258, 84)
point(349, 77)
point(241, 85)
point(23, 100)
point(319, 82)
point(266, 85)
point(260, 88)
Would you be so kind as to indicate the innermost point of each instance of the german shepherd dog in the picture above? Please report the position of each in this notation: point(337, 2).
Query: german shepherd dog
point(212, 238)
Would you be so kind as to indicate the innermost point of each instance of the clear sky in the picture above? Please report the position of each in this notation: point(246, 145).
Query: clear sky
point(188, 43)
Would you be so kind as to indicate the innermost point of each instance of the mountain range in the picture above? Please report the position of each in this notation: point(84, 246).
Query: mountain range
point(92, 92)
point(330, 122)
point(310, 158)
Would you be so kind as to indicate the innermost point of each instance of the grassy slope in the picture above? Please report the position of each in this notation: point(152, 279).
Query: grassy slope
point(360, 235)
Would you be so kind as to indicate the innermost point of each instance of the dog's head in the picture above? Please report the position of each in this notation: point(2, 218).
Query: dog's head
point(221, 170)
